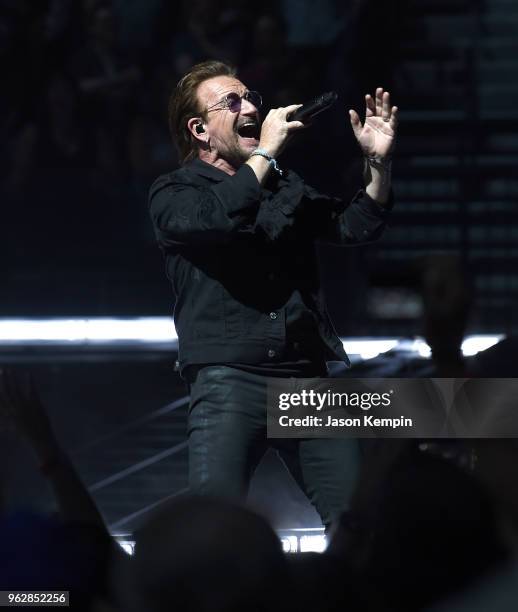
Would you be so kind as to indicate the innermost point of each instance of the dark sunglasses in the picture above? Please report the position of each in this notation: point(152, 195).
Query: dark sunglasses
point(232, 101)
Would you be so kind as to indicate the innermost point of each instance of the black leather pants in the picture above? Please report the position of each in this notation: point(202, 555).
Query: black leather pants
point(227, 438)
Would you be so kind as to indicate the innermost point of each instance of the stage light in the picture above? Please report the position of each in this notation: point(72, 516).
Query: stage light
point(290, 544)
point(312, 543)
point(368, 348)
point(141, 331)
point(125, 541)
point(303, 539)
point(421, 347)
point(90, 330)
point(474, 344)
point(292, 541)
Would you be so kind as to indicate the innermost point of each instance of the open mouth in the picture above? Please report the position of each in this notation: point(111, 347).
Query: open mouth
point(250, 129)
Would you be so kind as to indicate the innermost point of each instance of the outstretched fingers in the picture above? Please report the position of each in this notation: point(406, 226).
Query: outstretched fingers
point(379, 106)
point(379, 101)
point(370, 106)
point(394, 118)
point(385, 107)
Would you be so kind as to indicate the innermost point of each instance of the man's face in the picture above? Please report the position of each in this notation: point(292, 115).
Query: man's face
point(232, 135)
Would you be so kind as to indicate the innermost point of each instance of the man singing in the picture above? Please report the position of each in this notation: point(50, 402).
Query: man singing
point(239, 235)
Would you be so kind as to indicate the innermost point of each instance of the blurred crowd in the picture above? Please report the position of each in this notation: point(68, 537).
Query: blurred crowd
point(425, 530)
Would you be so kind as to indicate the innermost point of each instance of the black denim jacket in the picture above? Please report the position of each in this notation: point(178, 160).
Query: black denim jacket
point(235, 252)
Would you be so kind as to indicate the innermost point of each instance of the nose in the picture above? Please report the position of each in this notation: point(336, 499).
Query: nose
point(247, 108)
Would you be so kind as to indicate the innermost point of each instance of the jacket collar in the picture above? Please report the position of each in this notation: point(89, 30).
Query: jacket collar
point(202, 168)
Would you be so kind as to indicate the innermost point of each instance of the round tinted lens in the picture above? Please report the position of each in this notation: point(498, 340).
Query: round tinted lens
point(233, 102)
point(254, 98)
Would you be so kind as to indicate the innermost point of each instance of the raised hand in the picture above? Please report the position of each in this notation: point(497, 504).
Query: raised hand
point(21, 405)
point(377, 135)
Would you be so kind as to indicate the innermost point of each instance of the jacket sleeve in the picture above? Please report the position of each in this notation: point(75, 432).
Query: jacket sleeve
point(188, 213)
point(336, 222)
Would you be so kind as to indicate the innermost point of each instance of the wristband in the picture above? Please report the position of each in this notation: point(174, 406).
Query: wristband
point(272, 161)
point(376, 160)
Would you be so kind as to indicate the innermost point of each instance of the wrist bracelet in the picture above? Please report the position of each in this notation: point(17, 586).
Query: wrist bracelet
point(376, 160)
point(272, 161)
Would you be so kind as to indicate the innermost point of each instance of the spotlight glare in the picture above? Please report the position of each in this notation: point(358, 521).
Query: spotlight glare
point(290, 544)
point(369, 348)
point(91, 330)
point(474, 344)
point(312, 543)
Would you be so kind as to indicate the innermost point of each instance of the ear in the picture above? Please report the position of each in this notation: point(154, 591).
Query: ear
point(196, 127)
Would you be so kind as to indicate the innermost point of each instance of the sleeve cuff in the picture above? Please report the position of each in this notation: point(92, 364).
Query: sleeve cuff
point(243, 190)
point(374, 205)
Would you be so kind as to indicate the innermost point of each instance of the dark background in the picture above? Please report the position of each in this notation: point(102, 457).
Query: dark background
point(84, 132)
point(83, 126)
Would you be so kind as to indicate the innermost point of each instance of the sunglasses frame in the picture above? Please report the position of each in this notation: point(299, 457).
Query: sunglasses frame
point(238, 100)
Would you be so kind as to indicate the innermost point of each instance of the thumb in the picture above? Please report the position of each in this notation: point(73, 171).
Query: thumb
point(356, 124)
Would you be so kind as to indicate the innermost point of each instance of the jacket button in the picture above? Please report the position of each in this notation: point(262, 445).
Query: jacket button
point(271, 353)
point(273, 316)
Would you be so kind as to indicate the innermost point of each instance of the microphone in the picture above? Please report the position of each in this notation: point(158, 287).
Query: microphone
point(310, 109)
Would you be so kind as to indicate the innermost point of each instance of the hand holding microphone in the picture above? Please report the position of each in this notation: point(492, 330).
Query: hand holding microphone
point(276, 129)
point(281, 123)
